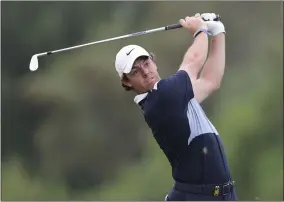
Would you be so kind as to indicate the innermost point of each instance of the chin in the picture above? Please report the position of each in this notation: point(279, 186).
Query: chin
point(152, 83)
point(149, 85)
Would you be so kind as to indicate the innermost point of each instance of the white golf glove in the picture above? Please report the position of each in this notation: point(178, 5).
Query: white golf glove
point(214, 27)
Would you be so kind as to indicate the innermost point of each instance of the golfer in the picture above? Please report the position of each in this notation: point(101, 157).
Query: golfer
point(171, 108)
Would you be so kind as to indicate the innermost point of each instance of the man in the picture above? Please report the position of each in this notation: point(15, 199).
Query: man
point(172, 110)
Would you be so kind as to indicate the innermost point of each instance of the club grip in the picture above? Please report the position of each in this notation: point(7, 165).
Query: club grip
point(176, 26)
point(173, 26)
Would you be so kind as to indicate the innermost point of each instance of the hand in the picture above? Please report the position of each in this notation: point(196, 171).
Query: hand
point(193, 24)
point(214, 27)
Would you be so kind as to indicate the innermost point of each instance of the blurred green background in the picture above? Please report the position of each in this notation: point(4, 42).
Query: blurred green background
point(70, 131)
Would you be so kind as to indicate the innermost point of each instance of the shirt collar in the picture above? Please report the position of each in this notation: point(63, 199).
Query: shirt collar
point(138, 98)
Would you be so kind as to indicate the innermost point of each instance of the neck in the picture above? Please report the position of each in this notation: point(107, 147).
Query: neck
point(150, 89)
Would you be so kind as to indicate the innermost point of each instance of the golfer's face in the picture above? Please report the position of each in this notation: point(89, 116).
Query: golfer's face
point(143, 75)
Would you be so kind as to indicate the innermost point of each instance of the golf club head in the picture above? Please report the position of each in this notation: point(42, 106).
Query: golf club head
point(34, 63)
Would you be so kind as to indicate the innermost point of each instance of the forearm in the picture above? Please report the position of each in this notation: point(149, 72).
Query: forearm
point(196, 55)
point(214, 67)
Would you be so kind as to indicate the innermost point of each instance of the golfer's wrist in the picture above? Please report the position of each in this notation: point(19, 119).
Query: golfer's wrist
point(199, 31)
point(215, 28)
point(221, 32)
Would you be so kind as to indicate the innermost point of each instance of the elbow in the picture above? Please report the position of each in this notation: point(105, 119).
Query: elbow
point(215, 86)
point(215, 82)
point(211, 85)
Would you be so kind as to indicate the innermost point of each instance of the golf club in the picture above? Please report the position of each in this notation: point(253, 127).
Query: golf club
point(34, 59)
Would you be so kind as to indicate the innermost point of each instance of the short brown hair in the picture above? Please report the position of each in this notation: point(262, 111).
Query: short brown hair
point(124, 77)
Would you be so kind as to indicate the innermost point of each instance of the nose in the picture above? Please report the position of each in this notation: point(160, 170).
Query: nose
point(145, 71)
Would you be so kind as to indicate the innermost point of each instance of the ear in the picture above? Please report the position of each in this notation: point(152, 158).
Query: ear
point(153, 57)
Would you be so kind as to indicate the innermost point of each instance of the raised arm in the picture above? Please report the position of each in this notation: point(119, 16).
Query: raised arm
point(212, 73)
point(196, 54)
point(214, 67)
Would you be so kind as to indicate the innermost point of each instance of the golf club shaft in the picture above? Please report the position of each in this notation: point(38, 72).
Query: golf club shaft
point(168, 27)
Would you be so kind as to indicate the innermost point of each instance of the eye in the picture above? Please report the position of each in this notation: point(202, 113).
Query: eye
point(134, 72)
